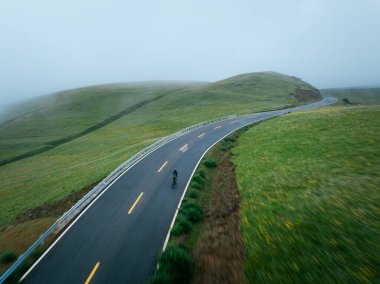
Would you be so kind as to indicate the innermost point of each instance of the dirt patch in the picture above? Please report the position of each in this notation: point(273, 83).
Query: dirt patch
point(219, 255)
point(55, 208)
point(18, 238)
point(307, 95)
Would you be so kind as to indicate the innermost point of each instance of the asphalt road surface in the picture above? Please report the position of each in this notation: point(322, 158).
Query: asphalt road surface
point(119, 237)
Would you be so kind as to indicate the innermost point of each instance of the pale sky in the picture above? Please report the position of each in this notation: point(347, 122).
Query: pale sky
point(52, 45)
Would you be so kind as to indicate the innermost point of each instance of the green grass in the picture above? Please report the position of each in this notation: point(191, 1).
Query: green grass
point(355, 95)
point(55, 174)
point(175, 266)
point(46, 120)
point(310, 193)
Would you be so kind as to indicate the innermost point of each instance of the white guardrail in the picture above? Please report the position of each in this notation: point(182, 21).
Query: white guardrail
point(90, 196)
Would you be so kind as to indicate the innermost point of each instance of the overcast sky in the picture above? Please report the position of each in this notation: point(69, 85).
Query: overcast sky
point(52, 45)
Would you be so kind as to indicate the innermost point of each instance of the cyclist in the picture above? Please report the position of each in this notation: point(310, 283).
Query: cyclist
point(175, 175)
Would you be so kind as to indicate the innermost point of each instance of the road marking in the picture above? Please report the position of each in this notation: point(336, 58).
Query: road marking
point(134, 204)
point(235, 121)
point(92, 273)
point(85, 210)
point(200, 136)
point(218, 127)
point(163, 166)
point(184, 148)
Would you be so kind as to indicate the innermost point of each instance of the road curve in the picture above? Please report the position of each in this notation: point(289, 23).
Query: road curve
point(118, 238)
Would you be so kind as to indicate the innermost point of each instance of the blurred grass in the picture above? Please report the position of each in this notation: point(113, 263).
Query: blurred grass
point(310, 191)
point(72, 166)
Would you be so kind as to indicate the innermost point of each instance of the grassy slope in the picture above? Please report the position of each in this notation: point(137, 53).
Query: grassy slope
point(310, 196)
point(355, 95)
point(49, 118)
point(68, 168)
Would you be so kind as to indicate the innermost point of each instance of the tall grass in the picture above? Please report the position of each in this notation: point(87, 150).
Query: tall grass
point(310, 190)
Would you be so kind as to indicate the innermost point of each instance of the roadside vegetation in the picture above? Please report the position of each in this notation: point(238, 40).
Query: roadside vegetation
point(310, 193)
point(76, 159)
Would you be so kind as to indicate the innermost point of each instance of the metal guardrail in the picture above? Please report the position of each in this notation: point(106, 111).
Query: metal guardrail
point(90, 196)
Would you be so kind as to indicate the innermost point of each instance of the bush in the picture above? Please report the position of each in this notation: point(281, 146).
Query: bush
point(347, 101)
point(226, 147)
point(193, 194)
point(231, 138)
point(201, 173)
point(210, 163)
point(181, 226)
point(175, 266)
point(8, 257)
point(192, 211)
point(198, 179)
point(197, 185)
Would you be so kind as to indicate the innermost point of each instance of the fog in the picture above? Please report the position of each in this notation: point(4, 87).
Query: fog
point(48, 46)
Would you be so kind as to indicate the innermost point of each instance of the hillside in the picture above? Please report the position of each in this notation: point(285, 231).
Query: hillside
point(42, 122)
point(69, 167)
point(46, 122)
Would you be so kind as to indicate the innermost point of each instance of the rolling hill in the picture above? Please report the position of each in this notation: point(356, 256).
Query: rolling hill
point(46, 122)
point(85, 133)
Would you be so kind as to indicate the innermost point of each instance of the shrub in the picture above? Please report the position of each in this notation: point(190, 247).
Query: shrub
point(181, 226)
point(193, 194)
point(198, 178)
point(232, 138)
point(175, 266)
point(210, 163)
point(197, 185)
point(347, 101)
point(201, 173)
point(8, 257)
point(192, 211)
point(226, 147)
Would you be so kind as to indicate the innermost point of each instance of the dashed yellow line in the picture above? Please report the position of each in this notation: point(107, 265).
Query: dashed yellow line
point(134, 204)
point(163, 166)
point(92, 273)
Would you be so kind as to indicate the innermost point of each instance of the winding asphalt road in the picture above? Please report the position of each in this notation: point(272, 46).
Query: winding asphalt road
point(119, 237)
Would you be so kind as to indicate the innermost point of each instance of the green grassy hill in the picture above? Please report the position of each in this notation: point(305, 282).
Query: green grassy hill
point(310, 195)
point(46, 122)
point(156, 110)
point(50, 120)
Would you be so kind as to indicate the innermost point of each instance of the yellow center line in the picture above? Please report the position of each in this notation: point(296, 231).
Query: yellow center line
point(92, 273)
point(134, 204)
point(163, 166)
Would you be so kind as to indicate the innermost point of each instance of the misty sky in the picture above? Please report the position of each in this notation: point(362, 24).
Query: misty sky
point(52, 45)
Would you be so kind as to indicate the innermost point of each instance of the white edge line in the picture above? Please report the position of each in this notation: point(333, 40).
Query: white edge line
point(76, 219)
